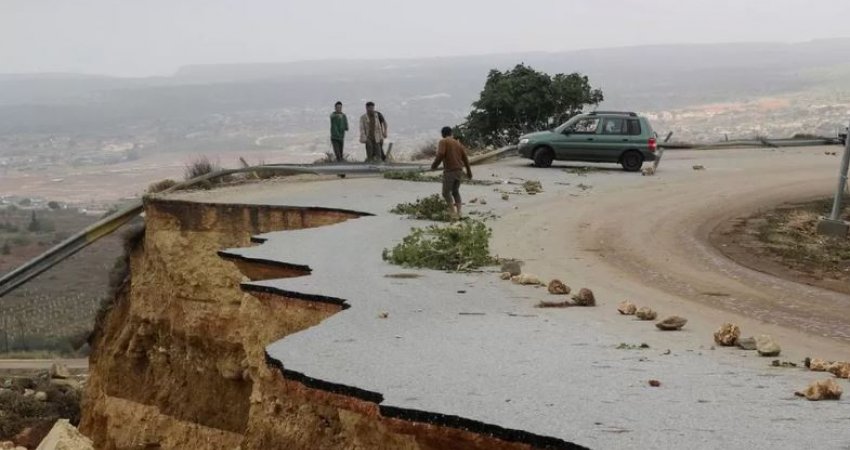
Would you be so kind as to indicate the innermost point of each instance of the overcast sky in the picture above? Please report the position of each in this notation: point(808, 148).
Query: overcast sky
point(155, 37)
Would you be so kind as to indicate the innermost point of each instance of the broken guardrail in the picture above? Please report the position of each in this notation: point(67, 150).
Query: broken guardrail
point(108, 225)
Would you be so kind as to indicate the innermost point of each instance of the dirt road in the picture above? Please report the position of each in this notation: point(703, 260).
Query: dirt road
point(646, 239)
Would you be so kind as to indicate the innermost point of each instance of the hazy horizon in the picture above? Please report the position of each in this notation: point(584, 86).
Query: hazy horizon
point(155, 38)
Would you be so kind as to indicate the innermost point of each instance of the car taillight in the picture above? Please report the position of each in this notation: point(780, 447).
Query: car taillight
point(653, 145)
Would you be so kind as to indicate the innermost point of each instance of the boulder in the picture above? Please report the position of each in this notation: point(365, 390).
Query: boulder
point(646, 313)
point(727, 335)
point(822, 390)
point(839, 369)
point(556, 287)
point(584, 298)
point(29, 392)
point(41, 396)
point(767, 346)
point(627, 308)
point(512, 266)
point(64, 436)
point(505, 276)
point(747, 343)
point(672, 323)
point(59, 370)
point(526, 279)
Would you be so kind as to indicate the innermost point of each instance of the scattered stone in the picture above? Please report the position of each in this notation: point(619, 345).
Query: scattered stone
point(766, 346)
point(383, 315)
point(672, 323)
point(505, 276)
point(59, 370)
point(29, 392)
point(822, 390)
point(41, 396)
point(584, 298)
point(627, 308)
point(727, 335)
point(817, 364)
point(699, 167)
point(646, 313)
point(474, 200)
point(840, 369)
point(648, 171)
point(747, 343)
point(483, 201)
point(64, 436)
point(505, 196)
point(654, 383)
point(526, 279)
point(512, 266)
point(787, 364)
point(556, 287)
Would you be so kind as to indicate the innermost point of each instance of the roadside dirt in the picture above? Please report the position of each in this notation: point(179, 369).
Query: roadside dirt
point(784, 243)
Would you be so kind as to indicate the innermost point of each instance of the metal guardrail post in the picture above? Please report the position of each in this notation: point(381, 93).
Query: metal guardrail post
point(833, 225)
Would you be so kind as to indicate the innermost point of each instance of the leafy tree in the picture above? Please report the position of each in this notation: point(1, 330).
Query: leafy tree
point(523, 100)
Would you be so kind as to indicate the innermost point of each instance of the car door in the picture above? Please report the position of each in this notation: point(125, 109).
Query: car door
point(578, 140)
point(612, 140)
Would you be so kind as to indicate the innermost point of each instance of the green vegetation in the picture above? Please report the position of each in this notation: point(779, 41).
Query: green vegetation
point(200, 166)
point(160, 186)
point(21, 411)
point(523, 100)
point(532, 187)
point(433, 207)
point(427, 151)
point(461, 246)
point(624, 346)
point(581, 171)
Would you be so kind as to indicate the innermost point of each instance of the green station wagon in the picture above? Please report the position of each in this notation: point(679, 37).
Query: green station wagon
point(601, 136)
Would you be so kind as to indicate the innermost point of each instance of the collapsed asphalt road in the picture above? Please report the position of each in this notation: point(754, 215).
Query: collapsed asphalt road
point(559, 373)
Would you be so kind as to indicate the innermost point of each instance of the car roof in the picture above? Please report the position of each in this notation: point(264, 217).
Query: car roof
point(612, 113)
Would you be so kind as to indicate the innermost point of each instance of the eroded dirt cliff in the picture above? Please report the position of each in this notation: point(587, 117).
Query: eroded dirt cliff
point(179, 360)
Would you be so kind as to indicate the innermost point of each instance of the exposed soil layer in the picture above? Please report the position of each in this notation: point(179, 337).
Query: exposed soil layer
point(179, 360)
point(783, 242)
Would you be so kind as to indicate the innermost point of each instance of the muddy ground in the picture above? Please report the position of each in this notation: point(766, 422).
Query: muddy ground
point(783, 242)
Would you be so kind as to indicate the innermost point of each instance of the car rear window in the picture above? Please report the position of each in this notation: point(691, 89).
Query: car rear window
point(634, 127)
point(614, 125)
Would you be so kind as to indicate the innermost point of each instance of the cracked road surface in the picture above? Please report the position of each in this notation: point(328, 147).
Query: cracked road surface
point(488, 356)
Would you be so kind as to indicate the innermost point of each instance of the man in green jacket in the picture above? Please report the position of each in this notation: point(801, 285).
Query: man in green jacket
point(339, 125)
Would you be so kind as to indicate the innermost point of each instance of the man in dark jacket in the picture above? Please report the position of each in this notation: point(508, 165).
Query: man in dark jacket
point(339, 125)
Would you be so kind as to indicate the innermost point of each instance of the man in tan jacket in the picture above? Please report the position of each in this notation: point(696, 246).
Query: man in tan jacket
point(452, 155)
point(373, 131)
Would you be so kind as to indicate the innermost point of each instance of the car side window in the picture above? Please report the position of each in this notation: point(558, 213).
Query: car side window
point(634, 127)
point(587, 125)
point(614, 125)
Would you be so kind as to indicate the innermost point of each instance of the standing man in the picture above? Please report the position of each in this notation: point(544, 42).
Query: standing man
point(373, 131)
point(452, 155)
point(339, 125)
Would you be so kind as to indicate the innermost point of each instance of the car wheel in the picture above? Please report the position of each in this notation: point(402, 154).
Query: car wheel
point(543, 157)
point(631, 161)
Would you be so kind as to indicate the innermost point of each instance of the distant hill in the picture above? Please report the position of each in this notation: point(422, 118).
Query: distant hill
point(418, 93)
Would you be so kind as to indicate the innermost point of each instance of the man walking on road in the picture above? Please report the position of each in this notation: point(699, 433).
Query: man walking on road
point(452, 155)
point(339, 125)
point(373, 131)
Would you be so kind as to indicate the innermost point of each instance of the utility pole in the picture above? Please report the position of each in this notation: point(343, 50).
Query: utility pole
point(833, 225)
